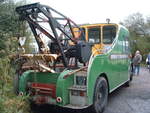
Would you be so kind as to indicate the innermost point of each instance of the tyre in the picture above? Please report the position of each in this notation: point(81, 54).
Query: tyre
point(131, 72)
point(131, 77)
point(100, 95)
point(127, 84)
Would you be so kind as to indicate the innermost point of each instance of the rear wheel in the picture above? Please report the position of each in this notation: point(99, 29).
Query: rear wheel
point(127, 84)
point(100, 95)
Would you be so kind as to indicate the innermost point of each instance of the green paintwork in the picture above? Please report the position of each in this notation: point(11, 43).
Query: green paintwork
point(115, 71)
point(24, 78)
point(62, 87)
point(39, 77)
point(62, 84)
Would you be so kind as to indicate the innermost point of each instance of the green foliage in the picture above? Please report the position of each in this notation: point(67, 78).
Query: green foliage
point(10, 27)
point(4, 71)
point(139, 29)
point(17, 104)
point(9, 103)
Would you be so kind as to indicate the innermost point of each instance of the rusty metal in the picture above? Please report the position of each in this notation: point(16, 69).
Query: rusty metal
point(32, 14)
point(75, 71)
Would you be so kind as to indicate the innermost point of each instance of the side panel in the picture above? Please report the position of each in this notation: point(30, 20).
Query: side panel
point(62, 87)
point(125, 63)
point(115, 69)
point(23, 81)
point(38, 77)
point(101, 64)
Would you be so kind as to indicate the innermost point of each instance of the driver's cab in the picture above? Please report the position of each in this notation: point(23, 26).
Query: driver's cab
point(100, 36)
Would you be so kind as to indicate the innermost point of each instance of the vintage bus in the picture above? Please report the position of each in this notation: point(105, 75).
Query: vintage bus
point(97, 64)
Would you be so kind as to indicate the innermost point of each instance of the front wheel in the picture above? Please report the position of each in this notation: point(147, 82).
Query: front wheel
point(100, 95)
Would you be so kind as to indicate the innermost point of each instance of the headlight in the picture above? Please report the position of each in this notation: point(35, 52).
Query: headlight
point(81, 78)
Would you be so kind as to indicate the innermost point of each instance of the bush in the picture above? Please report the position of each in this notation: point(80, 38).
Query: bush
point(9, 102)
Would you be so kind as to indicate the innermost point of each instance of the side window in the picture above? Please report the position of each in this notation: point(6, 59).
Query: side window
point(94, 35)
point(82, 36)
point(127, 46)
point(109, 34)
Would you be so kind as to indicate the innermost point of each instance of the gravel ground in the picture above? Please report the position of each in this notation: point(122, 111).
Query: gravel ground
point(133, 99)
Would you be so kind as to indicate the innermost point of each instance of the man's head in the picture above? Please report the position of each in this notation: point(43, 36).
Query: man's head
point(137, 52)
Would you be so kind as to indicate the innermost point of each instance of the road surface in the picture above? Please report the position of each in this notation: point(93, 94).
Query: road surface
point(133, 99)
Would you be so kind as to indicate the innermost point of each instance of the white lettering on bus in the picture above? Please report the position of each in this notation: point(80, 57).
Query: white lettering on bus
point(118, 56)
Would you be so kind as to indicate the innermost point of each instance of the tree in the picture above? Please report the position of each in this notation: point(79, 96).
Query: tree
point(10, 27)
point(139, 29)
point(135, 23)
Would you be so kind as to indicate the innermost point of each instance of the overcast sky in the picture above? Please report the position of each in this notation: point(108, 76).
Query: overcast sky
point(96, 11)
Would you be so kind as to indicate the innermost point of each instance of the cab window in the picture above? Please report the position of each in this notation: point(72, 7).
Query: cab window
point(94, 35)
point(109, 34)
